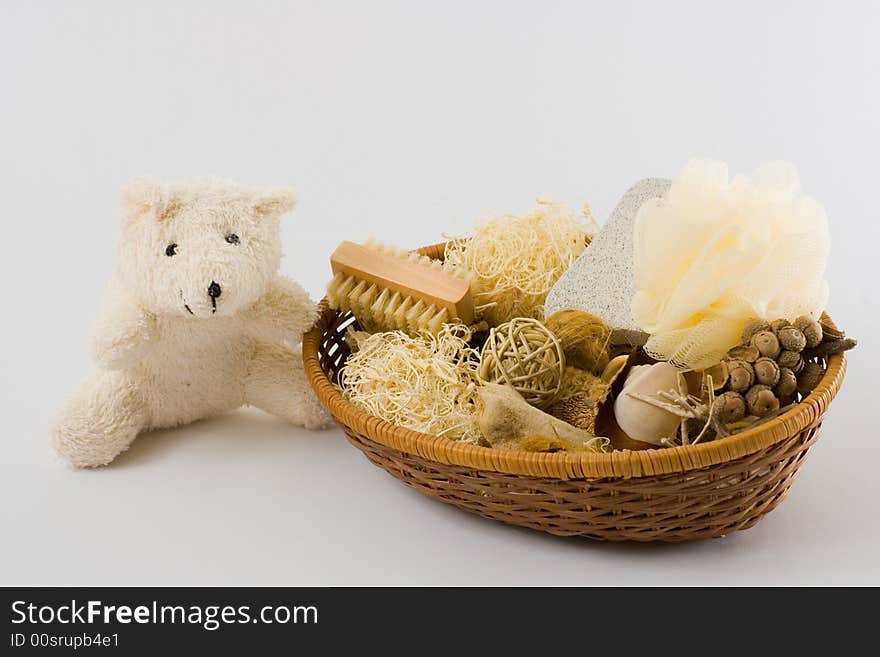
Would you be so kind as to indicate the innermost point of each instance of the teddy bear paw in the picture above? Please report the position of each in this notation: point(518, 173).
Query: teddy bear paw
point(317, 418)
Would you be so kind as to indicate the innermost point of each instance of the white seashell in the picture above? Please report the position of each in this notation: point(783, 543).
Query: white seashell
point(640, 420)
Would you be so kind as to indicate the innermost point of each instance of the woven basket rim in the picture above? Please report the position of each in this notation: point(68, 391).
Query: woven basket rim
point(565, 465)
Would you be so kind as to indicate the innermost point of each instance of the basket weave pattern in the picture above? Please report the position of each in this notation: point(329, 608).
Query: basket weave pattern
point(674, 494)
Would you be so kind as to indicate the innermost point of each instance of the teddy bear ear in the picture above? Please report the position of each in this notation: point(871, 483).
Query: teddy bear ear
point(274, 202)
point(145, 196)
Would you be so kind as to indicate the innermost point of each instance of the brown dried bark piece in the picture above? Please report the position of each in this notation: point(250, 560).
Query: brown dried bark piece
point(829, 348)
point(809, 377)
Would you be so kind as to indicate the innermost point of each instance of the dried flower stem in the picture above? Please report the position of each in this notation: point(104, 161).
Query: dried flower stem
point(688, 407)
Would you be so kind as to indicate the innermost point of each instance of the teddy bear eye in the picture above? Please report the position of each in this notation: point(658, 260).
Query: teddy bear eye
point(171, 250)
point(232, 238)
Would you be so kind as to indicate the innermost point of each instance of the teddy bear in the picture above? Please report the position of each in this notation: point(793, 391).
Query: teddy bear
point(196, 319)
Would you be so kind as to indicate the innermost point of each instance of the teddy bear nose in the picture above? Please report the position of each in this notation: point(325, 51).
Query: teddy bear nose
point(214, 290)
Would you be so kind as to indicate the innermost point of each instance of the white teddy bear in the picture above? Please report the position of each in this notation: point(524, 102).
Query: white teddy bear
point(197, 320)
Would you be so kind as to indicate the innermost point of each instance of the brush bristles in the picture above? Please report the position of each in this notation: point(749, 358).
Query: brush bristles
point(378, 309)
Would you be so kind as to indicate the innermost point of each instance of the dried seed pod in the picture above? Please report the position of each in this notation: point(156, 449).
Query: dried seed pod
point(811, 329)
point(719, 374)
point(613, 369)
point(766, 371)
point(731, 407)
point(754, 326)
point(787, 385)
point(579, 411)
point(778, 324)
point(791, 338)
point(829, 332)
point(741, 375)
point(761, 400)
point(747, 353)
point(767, 343)
point(792, 360)
point(829, 348)
point(809, 377)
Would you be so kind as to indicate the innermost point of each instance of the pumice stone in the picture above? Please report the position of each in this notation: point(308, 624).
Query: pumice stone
point(602, 280)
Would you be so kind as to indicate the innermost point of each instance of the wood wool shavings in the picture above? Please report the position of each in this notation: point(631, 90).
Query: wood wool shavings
point(426, 383)
point(517, 260)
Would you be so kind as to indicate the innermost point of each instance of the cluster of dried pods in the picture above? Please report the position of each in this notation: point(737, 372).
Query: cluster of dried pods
point(758, 379)
point(775, 362)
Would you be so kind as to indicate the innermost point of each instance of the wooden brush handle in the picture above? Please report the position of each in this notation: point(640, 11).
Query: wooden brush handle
point(412, 279)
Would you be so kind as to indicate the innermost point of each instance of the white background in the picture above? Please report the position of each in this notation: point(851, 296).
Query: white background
point(402, 121)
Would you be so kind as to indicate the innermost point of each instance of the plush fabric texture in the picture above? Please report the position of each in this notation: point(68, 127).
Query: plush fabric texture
point(196, 321)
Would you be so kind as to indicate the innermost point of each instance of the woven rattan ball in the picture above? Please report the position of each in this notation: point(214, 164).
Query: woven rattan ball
point(524, 354)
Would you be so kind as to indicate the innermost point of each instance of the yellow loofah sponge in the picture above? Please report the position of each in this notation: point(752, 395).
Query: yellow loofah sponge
point(714, 253)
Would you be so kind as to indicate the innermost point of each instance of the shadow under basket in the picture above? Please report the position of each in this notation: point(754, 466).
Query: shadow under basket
point(674, 494)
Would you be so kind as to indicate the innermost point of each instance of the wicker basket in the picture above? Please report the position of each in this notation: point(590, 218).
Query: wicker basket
point(675, 494)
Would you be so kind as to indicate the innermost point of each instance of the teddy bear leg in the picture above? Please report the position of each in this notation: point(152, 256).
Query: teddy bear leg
point(99, 420)
point(276, 383)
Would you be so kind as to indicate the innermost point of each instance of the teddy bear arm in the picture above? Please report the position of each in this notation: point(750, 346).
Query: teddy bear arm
point(276, 383)
point(284, 313)
point(123, 333)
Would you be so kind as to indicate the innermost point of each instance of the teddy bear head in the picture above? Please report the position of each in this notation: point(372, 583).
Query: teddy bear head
point(200, 248)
